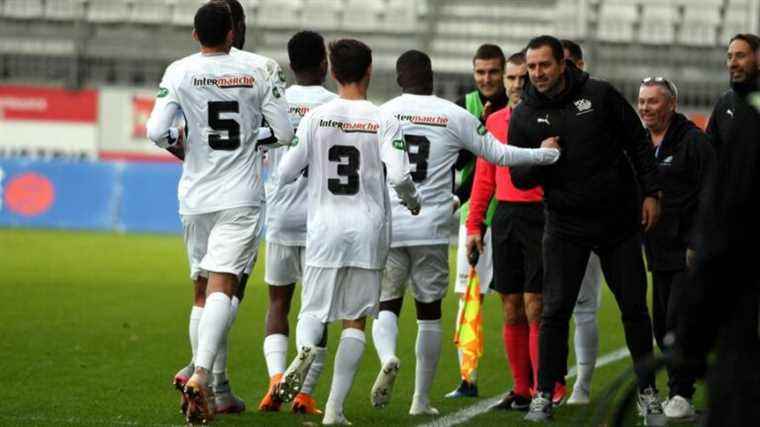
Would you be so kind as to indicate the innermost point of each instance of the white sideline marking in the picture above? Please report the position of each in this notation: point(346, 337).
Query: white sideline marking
point(466, 414)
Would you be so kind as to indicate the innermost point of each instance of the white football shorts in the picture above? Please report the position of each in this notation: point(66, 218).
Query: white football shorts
point(426, 267)
point(283, 264)
point(346, 293)
point(223, 241)
point(484, 267)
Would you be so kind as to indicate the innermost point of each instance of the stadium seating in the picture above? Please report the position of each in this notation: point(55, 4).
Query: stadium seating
point(183, 11)
point(150, 12)
point(622, 38)
point(700, 24)
point(658, 23)
point(321, 14)
point(616, 21)
point(108, 11)
point(283, 14)
point(23, 9)
point(362, 16)
point(64, 10)
point(740, 17)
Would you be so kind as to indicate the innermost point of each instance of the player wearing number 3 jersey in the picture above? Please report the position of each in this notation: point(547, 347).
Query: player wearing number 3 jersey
point(353, 152)
point(223, 98)
point(435, 130)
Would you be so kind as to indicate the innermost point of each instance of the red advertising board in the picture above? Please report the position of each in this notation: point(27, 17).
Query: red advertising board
point(48, 104)
point(142, 105)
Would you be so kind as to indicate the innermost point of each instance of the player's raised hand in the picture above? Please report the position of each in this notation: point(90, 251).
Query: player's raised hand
point(551, 142)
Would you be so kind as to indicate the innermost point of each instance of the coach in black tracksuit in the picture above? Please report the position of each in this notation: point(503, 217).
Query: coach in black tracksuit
point(728, 312)
point(685, 158)
point(593, 198)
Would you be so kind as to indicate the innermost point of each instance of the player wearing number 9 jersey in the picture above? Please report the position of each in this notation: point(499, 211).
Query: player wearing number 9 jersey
point(351, 150)
point(223, 99)
point(435, 130)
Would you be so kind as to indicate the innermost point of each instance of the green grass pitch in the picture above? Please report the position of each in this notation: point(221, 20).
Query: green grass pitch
point(94, 325)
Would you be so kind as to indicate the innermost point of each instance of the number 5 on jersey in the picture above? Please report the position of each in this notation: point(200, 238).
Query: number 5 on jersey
point(215, 122)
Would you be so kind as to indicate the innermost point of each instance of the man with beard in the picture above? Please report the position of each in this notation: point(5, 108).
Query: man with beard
point(727, 284)
point(593, 203)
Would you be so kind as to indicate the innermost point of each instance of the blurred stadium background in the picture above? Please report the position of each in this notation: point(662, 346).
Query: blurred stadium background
point(77, 81)
point(119, 49)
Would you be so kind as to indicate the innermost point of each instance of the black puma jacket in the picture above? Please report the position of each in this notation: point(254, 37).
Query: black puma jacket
point(607, 163)
point(729, 216)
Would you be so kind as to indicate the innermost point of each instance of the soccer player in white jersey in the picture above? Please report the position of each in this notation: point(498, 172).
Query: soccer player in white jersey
point(435, 131)
point(286, 225)
point(223, 98)
point(352, 152)
point(225, 400)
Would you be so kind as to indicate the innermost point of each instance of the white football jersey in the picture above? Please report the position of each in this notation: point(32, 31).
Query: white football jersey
point(435, 130)
point(272, 70)
point(223, 98)
point(286, 205)
point(349, 147)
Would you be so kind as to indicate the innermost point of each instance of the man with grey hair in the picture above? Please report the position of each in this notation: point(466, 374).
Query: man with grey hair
point(684, 159)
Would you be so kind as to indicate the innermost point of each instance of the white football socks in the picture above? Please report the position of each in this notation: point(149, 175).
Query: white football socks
point(586, 347)
point(276, 353)
point(195, 320)
point(428, 351)
point(315, 370)
point(309, 331)
point(220, 361)
point(212, 328)
point(384, 335)
point(347, 360)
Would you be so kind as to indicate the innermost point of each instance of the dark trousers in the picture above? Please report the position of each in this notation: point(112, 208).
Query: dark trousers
point(564, 266)
point(669, 290)
point(726, 313)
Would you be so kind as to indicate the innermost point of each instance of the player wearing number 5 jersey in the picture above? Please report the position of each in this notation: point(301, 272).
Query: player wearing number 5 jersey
point(353, 152)
point(435, 130)
point(223, 98)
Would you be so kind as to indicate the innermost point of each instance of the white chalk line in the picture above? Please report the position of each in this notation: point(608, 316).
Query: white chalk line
point(472, 411)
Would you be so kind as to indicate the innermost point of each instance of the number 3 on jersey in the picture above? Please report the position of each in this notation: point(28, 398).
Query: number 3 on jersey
point(215, 122)
point(348, 159)
point(418, 149)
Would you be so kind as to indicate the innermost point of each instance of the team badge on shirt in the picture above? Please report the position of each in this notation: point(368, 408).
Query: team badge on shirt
point(481, 130)
point(399, 144)
point(584, 106)
point(162, 92)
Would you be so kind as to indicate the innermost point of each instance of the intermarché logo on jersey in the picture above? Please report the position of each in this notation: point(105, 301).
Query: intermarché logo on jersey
point(440, 121)
point(299, 110)
point(350, 127)
point(225, 82)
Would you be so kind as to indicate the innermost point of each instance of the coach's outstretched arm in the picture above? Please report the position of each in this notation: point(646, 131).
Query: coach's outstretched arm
point(480, 142)
point(393, 154)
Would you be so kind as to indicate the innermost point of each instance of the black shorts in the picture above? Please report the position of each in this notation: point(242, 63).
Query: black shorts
point(517, 232)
